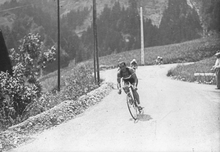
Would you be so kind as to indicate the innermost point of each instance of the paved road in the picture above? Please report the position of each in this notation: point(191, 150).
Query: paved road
point(179, 116)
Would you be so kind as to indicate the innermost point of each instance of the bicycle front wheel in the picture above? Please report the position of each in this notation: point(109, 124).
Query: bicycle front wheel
point(132, 108)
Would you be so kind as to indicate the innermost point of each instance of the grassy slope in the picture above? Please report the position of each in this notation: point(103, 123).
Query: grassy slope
point(190, 51)
point(186, 72)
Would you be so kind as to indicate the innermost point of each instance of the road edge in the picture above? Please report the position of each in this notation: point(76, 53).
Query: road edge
point(61, 113)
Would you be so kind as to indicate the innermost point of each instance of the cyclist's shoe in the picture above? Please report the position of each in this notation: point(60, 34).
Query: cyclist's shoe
point(119, 91)
point(140, 108)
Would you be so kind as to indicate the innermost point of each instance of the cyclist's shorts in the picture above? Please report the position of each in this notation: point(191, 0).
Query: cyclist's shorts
point(131, 80)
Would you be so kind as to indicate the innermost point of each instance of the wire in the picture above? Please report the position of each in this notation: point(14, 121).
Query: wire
point(14, 8)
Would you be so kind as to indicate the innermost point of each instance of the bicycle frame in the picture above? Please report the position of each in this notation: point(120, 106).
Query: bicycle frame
point(132, 105)
point(131, 91)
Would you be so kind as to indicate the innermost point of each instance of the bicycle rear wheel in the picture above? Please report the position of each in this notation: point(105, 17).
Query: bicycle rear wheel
point(132, 108)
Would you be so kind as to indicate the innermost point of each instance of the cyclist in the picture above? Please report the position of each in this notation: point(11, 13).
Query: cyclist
point(159, 60)
point(134, 65)
point(126, 75)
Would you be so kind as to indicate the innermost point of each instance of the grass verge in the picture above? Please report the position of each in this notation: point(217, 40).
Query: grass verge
point(186, 72)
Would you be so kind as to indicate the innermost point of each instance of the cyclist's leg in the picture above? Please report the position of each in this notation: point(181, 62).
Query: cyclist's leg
point(135, 93)
point(136, 96)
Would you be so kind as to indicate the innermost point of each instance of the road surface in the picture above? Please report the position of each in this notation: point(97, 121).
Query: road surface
point(178, 116)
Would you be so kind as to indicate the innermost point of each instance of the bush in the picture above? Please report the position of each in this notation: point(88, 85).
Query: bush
point(186, 72)
point(77, 82)
point(15, 95)
point(22, 88)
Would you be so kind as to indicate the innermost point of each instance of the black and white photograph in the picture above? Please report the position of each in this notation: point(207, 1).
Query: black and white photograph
point(109, 75)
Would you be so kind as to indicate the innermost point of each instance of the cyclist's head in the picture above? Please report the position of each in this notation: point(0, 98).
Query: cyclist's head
point(133, 61)
point(121, 64)
point(158, 57)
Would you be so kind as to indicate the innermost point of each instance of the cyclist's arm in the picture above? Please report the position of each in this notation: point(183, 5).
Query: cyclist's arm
point(119, 81)
point(217, 63)
point(134, 76)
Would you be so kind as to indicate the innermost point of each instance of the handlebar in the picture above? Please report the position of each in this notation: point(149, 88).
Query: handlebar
point(132, 86)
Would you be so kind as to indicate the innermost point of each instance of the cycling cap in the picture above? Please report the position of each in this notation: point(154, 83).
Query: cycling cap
point(122, 63)
point(133, 61)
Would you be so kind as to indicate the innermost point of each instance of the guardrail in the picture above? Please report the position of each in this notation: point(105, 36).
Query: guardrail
point(204, 74)
point(208, 78)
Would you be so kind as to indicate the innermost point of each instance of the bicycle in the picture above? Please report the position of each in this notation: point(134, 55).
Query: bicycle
point(132, 103)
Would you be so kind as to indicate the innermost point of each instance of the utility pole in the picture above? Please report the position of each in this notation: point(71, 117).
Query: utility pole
point(142, 37)
point(58, 43)
point(96, 53)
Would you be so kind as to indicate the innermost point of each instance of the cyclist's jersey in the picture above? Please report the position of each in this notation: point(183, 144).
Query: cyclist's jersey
point(133, 64)
point(126, 74)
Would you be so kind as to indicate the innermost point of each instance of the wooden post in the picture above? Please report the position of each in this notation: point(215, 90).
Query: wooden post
point(94, 33)
point(96, 52)
point(142, 37)
point(58, 43)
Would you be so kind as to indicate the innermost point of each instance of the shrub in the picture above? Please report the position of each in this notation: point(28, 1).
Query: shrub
point(22, 88)
point(15, 95)
point(77, 82)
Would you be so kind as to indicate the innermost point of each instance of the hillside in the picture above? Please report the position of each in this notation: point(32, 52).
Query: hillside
point(209, 12)
point(152, 9)
point(190, 51)
point(166, 22)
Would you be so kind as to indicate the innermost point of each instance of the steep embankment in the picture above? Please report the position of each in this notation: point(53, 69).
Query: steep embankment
point(63, 112)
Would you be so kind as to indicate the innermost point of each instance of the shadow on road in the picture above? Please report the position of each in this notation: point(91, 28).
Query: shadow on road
point(215, 91)
point(144, 117)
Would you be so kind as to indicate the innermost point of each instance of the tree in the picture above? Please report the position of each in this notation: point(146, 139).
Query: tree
point(22, 88)
point(5, 63)
point(33, 54)
point(179, 23)
point(210, 13)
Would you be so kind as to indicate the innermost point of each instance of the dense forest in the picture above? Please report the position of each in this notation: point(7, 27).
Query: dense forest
point(118, 27)
point(209, 11)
